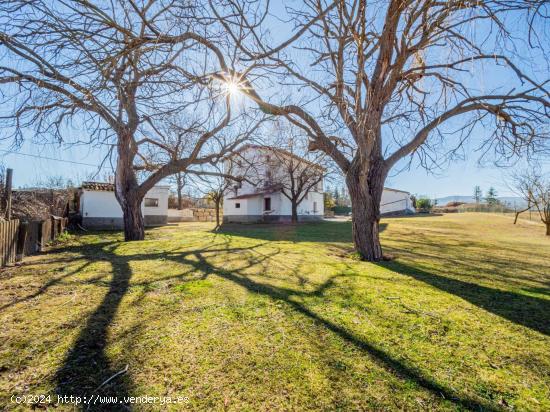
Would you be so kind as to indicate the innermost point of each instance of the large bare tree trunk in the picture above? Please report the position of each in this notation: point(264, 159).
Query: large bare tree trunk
point(179, 181)
point(294, 213)
point(128, 194)
point(366, 193)
point(548, 229)
point(218, 201)
point(134, 227)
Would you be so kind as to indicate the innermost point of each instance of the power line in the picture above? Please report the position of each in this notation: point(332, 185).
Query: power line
point(51, 158)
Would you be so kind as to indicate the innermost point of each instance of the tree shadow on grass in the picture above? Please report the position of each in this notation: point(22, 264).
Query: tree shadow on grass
point(292, 298)
point(528, 311)
point(299, 232)
point(86, 368)
point(87, 371)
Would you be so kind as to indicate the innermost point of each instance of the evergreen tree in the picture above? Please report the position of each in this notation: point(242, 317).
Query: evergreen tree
point(491, 196)
point(477, 194)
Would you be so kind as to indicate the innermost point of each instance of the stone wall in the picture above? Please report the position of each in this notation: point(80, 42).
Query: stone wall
point(206, 215)
point(183, 215)
point(193, 215)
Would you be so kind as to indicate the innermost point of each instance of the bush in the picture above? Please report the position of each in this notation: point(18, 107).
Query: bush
point(341, 210)
point(424, 204)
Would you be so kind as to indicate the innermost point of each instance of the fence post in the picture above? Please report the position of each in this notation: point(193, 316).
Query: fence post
point(7, 195)
point(41, 235)
point(21, 240)
point(53, 227)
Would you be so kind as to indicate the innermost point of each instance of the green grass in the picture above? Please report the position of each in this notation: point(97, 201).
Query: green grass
point(282, 318)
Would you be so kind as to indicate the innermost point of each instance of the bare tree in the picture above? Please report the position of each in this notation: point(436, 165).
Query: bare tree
point(179, 181)
point(215, 180)
point(292, 168)
point(534, 188)
point(373, 83)
point(118, 68)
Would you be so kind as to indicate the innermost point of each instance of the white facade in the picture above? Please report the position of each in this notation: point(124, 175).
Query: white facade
point(396, 201)
point(258, 200)
point(100, 209)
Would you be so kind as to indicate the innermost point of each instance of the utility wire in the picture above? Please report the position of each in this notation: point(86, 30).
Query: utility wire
point(51, 158)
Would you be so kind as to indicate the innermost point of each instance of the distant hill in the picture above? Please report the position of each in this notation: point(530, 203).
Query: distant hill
point(442, 201)
point(510, 200)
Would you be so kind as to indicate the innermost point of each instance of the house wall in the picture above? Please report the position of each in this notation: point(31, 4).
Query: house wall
point(159, 192)
point(100, 209)
point(305, 208)
point(395, 201)
point(252, 208)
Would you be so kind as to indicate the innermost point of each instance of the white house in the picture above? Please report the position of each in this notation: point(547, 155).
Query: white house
point(260, 199)
point(396, 202)
point(100, 209)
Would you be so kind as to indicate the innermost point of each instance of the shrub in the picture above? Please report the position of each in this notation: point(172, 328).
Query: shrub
point(341, 210)
point(424, 204)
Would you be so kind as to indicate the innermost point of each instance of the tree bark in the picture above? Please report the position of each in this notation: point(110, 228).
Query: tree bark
point(127, 191)
point(294, 213)
point(134, 227)
point(548, 229)
point(179, 187)
point(217, 212)
point(365, 191)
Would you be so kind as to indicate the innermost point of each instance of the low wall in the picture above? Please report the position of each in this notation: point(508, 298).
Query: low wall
point(117, 223)
point(206, 215)
point(173, 216)
point(183, 215)
point(193, 215)
point(155, 220)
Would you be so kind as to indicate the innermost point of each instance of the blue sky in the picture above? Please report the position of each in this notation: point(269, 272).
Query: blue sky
point(458, 178)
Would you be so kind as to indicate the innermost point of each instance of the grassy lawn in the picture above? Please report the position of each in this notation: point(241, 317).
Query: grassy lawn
point(281, 318)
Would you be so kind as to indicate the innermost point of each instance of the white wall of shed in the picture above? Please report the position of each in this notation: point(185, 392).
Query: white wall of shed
point(99, 203)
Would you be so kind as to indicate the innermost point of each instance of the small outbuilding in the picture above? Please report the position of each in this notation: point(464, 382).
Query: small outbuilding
point(396, 202)
point(99, 207)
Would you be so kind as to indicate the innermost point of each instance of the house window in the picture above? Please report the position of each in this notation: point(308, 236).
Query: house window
point(267, 203)
point(314, 208)
point(151, 202)
point(237, 205)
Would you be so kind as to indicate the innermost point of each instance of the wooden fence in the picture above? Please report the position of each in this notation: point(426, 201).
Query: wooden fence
point(18, 239)
point(9, 231)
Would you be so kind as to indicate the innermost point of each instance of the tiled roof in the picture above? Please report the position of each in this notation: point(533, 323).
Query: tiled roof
point(101, 186)
point(250, 195)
